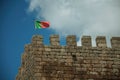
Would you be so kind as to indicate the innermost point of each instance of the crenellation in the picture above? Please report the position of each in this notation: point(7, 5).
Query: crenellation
point(37, 40)
point(86, 41)
point(70, 62)
point(115, 42)
point(101, 41)
point(54, 40)
point(71, 40)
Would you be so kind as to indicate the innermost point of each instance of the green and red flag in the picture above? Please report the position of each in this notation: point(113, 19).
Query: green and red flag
point(41, 24)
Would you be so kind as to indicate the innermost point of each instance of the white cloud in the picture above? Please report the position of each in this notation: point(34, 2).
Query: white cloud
point(80, 17)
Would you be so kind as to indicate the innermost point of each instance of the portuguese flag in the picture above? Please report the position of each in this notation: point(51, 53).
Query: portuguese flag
point(41, 24)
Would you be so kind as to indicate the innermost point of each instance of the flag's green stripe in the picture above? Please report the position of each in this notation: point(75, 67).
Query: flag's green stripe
point(37, 25)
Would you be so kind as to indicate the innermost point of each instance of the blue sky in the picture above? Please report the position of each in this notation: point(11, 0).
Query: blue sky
point(16, 30)
point(80, 17)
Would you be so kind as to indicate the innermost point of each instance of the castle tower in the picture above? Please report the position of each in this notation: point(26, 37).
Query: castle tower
point(70, 62)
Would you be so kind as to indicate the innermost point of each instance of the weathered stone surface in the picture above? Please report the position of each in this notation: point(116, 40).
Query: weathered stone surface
point(115, 42)
point(70, 62)
point(86, 41)
point(101, 42)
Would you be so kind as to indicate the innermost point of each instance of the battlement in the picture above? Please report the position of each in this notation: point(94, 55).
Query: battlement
point(70, 62)
point(86, 41)
point(115, 42)
point(71, 41)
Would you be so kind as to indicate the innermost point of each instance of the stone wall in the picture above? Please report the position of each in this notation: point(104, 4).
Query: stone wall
point(70, 62)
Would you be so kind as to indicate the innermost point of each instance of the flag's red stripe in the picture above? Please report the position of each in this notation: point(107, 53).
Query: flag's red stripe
point(44, 24)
